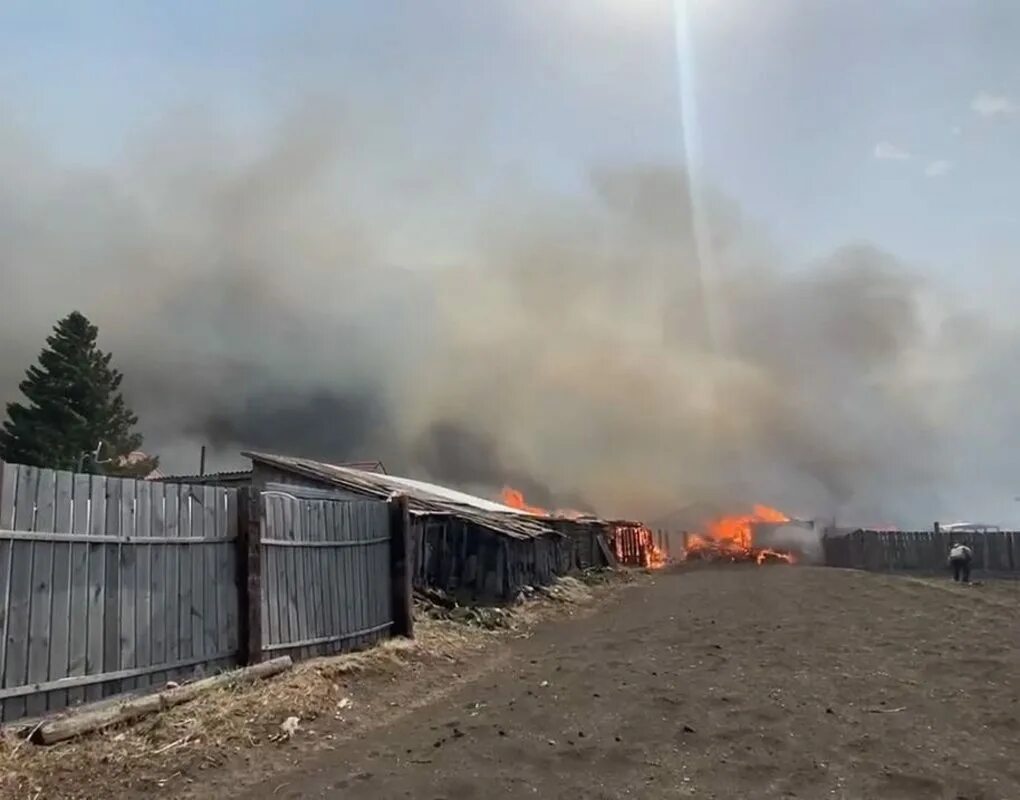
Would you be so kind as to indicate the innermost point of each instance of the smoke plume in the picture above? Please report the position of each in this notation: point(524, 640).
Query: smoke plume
point(322, 295)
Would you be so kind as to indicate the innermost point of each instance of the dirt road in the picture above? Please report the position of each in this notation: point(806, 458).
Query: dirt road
point(767, 682)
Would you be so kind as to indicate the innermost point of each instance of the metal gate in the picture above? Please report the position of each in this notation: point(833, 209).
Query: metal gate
point(326, 579)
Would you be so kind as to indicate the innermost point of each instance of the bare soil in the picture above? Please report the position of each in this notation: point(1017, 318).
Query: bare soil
point(763, 682)
point(709, 682)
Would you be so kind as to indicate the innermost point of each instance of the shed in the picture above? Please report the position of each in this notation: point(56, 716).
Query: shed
point(460, 543)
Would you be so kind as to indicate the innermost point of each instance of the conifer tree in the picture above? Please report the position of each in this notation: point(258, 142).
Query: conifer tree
point(75, 417)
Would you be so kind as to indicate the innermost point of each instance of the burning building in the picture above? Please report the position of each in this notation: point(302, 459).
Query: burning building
point(461, 543)
point(757, 536)
point(632, 543)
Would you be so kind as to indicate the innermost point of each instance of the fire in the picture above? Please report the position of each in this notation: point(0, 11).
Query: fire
point(730, 539)
point(515, 499)
point(633, 543)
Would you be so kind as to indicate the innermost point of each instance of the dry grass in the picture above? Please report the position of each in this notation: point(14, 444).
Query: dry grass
point(175, 745)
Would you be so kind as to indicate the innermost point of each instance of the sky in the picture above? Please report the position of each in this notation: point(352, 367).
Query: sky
point(894, 123)
point(160, 157)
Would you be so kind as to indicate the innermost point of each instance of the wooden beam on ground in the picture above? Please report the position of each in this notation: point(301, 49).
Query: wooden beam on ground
point(84, 722)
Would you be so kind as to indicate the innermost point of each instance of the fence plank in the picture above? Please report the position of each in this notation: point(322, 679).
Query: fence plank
point(97, 570)
point(270, 577)
point(197, 554)
point(158, 600)
point(343, 577)
point(354, 533)
point(319, 610)
point(225, 580)
point(306, 605)
point(8, 491)
point(290, 573)
point(19, 607)
point(306, 612)
point(352, 589)
point(127, 560)
point(143, 579)
point(302, 598)
point(330, 588)
point(111, 605)
point(209, 600)
point(41, 601)
point(60, 611)
point(175, 651)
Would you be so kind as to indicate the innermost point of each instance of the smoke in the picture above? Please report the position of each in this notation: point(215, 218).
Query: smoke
point(805, 542)
point(322, 293)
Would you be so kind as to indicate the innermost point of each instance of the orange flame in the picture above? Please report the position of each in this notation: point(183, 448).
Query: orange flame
point(515, 499)
point(730, 538)
point(633, 543)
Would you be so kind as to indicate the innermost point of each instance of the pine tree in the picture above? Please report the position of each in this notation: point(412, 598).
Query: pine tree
point(74, 409)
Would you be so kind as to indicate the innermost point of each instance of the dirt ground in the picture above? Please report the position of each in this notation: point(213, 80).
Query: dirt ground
point(709, 682)
point(736, 682)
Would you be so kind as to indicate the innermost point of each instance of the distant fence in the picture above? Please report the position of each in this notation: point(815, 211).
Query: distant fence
point(109, 585)
point(920, 551)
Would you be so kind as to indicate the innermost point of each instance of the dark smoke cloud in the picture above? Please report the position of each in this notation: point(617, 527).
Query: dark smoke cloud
point(312, 296)
point(320, 425)
point(452, 453)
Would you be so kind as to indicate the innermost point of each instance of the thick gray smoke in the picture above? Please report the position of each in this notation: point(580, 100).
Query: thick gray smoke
point(321, 295)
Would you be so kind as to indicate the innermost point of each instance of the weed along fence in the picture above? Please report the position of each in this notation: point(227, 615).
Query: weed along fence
point(920, 551)
point(111, 585)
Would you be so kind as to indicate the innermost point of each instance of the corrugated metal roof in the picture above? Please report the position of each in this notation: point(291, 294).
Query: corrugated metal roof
point(209, 477)
point(423, 498)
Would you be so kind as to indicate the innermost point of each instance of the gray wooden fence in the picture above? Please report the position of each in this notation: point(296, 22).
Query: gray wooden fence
point(325, 574)
point(109, 585)
point(995, 552)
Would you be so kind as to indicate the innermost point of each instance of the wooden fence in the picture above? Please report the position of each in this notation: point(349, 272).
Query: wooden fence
point(111, 585)
point(325, 574)
point(995, 552)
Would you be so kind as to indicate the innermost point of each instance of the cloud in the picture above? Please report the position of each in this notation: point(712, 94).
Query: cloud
point(991, 105)
point(938, 168)
point(887, 151)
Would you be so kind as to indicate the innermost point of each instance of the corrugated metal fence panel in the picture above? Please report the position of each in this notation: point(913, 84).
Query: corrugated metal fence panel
point(326, 583)
point(99, 596)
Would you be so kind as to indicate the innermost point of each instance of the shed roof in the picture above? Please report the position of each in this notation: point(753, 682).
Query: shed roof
point(423, 497)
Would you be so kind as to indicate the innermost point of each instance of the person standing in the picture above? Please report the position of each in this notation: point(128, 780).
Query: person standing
point(960, 557)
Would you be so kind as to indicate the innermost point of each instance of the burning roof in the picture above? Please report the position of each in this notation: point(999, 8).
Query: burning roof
point(423, 497)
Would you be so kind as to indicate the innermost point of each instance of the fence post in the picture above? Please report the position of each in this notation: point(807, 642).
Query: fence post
point(400, 567)
point(249, 568)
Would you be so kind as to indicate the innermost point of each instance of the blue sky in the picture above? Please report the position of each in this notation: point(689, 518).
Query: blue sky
point(827, 122)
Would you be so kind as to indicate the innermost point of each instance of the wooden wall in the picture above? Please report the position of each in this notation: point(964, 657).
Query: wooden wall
point(459, 556)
